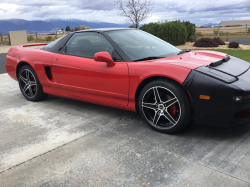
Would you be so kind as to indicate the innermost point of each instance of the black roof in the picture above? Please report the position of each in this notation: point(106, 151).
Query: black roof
point(104, 29)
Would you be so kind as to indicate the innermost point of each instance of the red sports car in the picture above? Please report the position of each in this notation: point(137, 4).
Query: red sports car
point(133, 70)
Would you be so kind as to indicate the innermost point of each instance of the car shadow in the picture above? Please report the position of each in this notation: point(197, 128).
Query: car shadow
point(136, 123)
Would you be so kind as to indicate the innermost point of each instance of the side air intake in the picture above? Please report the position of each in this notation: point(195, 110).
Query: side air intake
point(48, 72)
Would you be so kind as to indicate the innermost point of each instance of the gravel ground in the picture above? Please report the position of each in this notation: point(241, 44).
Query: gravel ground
point(189, 45)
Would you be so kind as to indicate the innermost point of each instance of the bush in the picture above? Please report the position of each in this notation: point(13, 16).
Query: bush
point(248, 29)
point(151, 28)
point(30, 38)
point(233, 45)
point(199, 34)
point(219, 41)
point(77, 28)
point(48, 38)
point(190, 28)
point(173, 32)
point(205, 42)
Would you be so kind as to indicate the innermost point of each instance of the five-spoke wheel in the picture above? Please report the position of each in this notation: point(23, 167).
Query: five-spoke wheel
point(30, 85)
point(165, 106)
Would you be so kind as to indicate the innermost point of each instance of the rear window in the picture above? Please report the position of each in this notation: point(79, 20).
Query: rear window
point(52, 44)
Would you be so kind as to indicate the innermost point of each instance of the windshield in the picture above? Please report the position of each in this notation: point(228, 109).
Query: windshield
point(141, 45)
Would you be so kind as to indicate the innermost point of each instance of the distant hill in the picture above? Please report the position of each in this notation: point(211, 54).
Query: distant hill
point(210, 24)
point(51, 25)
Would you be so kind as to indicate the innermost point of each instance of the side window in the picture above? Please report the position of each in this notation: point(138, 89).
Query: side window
point(86, 44)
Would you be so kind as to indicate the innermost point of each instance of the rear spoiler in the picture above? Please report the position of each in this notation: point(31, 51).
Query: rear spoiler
point(30, 45)
point(217, 63)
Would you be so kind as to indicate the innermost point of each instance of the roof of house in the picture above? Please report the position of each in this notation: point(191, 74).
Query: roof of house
point(235, 22)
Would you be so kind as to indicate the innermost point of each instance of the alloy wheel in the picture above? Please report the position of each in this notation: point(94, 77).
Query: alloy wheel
point(28, 83)
point(161, 107)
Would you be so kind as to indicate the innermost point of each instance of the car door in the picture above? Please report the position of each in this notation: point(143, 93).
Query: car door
point(79, 75)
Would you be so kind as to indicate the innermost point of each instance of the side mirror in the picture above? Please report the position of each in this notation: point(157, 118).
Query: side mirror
point(104, 57)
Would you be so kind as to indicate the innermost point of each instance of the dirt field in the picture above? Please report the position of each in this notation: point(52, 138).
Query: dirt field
point(43, 38)
point(240, 29)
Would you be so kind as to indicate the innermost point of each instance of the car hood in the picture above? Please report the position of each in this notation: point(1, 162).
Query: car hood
point(195, 59)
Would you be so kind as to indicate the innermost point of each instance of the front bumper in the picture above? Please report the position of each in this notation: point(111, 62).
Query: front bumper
point(220, 109)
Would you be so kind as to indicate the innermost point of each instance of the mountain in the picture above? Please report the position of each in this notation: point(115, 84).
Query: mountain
point(210, 24)
point(50, 26)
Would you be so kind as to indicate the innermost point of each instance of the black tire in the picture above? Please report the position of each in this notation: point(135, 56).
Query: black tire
point(29, 84)
point(170, 111)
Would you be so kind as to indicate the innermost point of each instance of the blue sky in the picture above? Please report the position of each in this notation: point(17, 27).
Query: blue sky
point(196, 11)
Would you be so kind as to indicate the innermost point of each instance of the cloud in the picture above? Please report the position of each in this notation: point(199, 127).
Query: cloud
point(196, 11)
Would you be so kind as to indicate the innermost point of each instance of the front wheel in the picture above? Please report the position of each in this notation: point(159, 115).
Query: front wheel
point(29, 84)
point(165, 106)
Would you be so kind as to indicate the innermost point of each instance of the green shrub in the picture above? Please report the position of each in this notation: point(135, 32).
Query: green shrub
point(48, 38)
point(151, 28)
point(190, 28)
point(248, 29)
point(173, 32)
point(30, 38)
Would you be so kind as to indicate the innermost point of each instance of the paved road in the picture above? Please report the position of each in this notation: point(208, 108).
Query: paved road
point(2, 62)
point(245, 41)
point(62, 142)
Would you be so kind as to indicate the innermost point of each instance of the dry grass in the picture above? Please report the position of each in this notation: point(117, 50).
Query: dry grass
point(231, 30)
point(43, 38)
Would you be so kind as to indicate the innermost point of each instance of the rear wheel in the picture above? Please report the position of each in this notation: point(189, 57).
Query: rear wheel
point(165, 106)
point(29, 84)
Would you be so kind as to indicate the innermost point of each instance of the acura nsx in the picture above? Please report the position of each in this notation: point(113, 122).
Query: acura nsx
point(133, 70)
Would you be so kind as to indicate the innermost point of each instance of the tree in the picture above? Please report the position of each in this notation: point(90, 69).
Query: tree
point(134, 11)
point(77, 29)
point(68, 28)
point(62, 29)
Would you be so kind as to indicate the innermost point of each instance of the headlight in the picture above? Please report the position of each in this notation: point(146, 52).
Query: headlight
point(245, 98)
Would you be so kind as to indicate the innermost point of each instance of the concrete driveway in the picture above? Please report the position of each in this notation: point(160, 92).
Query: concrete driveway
point(2, 62)
point(62, 142)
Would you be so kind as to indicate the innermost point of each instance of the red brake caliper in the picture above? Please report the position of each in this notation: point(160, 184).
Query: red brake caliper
point(172, 109)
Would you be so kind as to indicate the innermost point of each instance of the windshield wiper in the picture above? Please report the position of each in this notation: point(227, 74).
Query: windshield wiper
point(182, 52)
point(148, 58)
